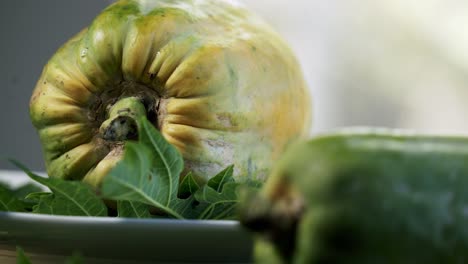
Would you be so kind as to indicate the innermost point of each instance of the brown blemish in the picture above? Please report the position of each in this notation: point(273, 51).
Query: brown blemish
point(224, 119)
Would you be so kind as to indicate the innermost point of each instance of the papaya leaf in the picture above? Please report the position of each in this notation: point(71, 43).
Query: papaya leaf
point(219, 197)
point(219, 205)
point(67, 197)
point(46, 204)
point(26, 189)
point(13, 199)
point(148, 173)
point(189, 208)
point(223, 204)
point(218, 181)
point(35, 197)
point(21, 257)
point(168, 161)
point(32, 200)
point(9, 202)
point(133, 209)
point(188, 186)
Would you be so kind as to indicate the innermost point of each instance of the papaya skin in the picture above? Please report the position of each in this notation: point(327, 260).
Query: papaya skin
point(364, 196)
point(218, 83)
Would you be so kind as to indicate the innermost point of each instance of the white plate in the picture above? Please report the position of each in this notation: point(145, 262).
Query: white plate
point(52, 239)
point(115, 240)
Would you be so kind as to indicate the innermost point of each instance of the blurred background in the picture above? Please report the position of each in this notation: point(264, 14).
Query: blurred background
point(392, 63)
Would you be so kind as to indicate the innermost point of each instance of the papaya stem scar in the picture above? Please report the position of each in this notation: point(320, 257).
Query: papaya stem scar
point(122, 120)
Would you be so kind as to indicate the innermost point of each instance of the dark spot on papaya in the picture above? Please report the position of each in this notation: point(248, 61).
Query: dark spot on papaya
point(45, 82)
point(254, 48)
point(150, 177)
point(198, 77)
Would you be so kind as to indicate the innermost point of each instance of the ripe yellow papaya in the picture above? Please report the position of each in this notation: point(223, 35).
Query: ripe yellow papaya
point(216, 80)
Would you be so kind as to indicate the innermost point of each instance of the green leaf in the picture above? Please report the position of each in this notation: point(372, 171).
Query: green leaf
point(219, 205)
point(188, 186)
point(14, 199)
point(218, 181)
point(219, 197)
point(223, 204)
point(32, 200)
point(21, 257)
point(132, 209)
point(148, 173)
point(47, 205)
point(24, 192)
point(189, 208)
point(9, 202)
point(35, 197)
point(67, 197)
point(26, 189)
point(168, 162)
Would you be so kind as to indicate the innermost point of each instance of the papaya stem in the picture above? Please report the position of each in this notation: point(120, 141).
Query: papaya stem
point(122, 120)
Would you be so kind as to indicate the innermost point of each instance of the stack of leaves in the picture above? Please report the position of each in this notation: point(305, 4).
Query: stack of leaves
point(145, 184)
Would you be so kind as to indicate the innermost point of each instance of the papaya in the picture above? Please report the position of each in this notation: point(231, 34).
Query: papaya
point(218, 83)
point(364, 196)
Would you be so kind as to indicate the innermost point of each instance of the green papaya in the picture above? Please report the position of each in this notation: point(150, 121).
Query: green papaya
point(365, 196)
point(219, 83)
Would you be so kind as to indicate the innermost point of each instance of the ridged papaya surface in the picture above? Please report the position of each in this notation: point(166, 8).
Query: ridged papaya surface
point(218, 83)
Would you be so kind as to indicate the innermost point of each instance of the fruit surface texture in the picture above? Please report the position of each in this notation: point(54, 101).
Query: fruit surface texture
point(213, 78)
point(374, 196)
